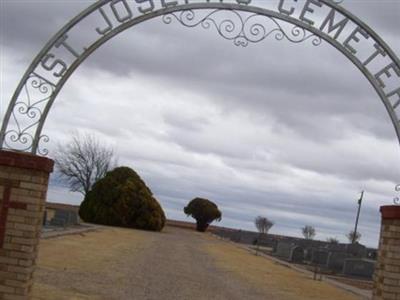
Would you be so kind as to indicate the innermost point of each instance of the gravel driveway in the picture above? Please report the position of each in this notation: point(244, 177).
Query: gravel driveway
point(115, 263)
point(176, 267)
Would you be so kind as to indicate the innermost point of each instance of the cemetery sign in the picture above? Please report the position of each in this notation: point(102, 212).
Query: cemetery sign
point(239, 21)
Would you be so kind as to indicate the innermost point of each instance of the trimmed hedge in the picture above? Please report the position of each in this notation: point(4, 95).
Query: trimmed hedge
point(122, 198)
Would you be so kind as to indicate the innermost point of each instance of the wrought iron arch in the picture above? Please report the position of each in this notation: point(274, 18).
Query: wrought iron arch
point(242, 23)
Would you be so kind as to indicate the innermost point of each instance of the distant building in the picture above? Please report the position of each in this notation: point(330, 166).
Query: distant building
point(59, 214)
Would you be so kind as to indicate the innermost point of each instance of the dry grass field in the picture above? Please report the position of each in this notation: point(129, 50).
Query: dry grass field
point(269, 275)
point(115, 263)
point(78, 266)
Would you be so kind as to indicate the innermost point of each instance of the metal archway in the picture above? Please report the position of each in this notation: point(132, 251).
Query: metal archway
point(235, 20)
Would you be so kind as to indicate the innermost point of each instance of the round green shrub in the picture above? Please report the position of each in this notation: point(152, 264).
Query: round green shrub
point(122, 198)
point(203, 211)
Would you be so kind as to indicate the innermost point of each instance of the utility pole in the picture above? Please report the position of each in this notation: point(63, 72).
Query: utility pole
point(358, 215)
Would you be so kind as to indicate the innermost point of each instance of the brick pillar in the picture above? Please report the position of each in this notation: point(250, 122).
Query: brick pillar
point(387, 272)
point(23, 188)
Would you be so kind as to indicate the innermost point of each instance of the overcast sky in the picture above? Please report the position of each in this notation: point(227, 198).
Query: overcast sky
point(289, 131)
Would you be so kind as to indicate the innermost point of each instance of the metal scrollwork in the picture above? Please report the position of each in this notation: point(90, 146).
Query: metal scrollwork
point(396, 200)
point(242, 22)
point(27, 114)
point(242, 29)
point(43, 139)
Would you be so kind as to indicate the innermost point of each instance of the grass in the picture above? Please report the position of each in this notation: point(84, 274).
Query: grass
point(95, 265)
point(72, 267)
point(271, 276)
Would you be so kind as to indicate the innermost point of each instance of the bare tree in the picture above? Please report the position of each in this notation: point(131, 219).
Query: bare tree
point(354, 237)
point(263, 225)
point(82, 161)
point(332, 240)
point(308, 232)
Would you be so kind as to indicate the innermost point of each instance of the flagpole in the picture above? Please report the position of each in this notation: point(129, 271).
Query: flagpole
point(358, 215)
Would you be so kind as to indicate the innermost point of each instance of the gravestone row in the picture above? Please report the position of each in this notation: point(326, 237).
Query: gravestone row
point(348, 259)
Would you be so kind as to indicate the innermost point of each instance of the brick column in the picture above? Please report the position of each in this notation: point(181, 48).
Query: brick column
point(23, 188)
point(387, 271)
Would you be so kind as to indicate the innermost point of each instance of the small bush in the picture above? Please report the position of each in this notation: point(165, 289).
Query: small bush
point(203, 211)
point(122, 198)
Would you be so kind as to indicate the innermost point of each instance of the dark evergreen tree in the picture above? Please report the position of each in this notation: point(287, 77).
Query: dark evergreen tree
point(203, 211)
point(122, 198)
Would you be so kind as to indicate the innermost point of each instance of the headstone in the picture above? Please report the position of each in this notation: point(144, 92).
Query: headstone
point(336, 261)
point(356, 250)
point(308, 254)
point(359, 267)
point(64, 218)
point(336, 247)
point(297, 255)
point(266, 240)
point(284, 249)
point(372, 253)
point(320, 257)
point(275, 246)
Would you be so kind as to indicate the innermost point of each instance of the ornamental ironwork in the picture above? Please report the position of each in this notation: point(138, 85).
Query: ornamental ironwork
point(240, 28)
point(238, 21)
point(37, 91)
point(396, 200)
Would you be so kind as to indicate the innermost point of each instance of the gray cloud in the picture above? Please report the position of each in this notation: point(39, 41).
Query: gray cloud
point(382, 16)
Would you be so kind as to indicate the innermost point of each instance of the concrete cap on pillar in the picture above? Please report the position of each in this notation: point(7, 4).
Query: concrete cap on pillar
point(390, 212)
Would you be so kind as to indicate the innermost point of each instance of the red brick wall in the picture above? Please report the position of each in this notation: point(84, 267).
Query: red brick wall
point(23, 188)
point(387, 272)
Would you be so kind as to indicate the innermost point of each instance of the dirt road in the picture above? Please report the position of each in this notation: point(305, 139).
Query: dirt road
point(175, 264)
